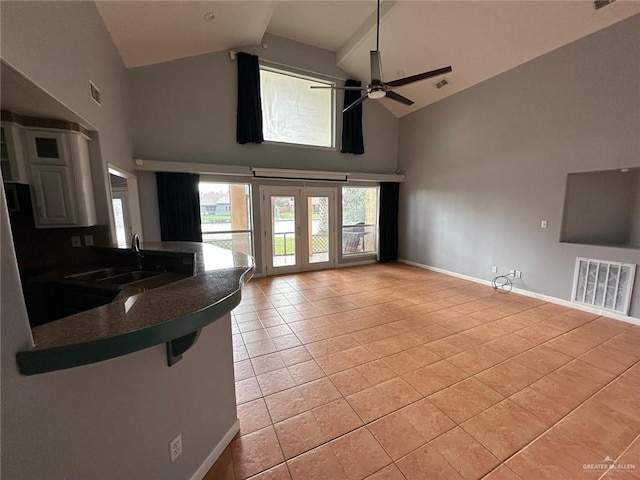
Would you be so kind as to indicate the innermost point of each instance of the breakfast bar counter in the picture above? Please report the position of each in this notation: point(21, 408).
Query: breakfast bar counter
point(173, 314)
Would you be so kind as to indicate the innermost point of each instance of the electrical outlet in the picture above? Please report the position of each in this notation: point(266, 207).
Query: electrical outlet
point(494, 269)
point(175, 447)
point(518, 274)
point(543, 224)
point(512, 273)
point(88, 240)
point(75, 241)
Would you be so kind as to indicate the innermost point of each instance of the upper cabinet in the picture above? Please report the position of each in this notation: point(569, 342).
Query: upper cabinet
point(14, 168)
point(53, 157)
point(61, 178)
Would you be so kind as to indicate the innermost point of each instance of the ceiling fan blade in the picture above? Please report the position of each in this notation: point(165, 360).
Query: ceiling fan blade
point(356, 103)
point(416, 78)
point(398, 98)
point(376, 67)
point(338, 87)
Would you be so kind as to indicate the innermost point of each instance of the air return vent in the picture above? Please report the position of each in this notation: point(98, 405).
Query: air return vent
point(602, 284)
point(95, 93)
point(598, 4)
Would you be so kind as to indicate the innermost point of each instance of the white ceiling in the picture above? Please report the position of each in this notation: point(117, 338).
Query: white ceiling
point(479, 39)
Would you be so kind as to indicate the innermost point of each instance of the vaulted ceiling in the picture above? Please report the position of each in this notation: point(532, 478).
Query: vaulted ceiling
point(479, 39)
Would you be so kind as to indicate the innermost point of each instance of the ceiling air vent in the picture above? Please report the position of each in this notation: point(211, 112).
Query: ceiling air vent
point(598, 4)
point(602, 284)
point(442, 83)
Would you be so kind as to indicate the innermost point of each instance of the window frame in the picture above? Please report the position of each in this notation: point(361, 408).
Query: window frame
point(251, 230)
point(360, 255)
point(313, 77)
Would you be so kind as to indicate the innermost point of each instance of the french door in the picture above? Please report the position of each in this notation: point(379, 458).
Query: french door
point(299, 228)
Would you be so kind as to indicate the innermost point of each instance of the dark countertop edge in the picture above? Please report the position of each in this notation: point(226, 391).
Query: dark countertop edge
point(32, 362)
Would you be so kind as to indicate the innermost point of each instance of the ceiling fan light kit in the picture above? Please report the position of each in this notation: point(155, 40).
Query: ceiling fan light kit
point(377, 88)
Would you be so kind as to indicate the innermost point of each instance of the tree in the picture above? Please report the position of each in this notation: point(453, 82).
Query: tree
point(353, 205)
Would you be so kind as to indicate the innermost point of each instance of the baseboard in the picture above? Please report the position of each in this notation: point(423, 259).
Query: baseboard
point(355, 264)
point(216, 452)
point(528, 293)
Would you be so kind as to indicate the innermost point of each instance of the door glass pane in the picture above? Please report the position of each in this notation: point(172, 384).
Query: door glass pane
point(359, 220)
point(283, 218)
point(118, 215)
point(318, 235)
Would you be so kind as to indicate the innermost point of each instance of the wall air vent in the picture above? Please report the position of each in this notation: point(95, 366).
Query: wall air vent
point(442, 83)
point(95, 93)
point(602, 284)
point(598, 4)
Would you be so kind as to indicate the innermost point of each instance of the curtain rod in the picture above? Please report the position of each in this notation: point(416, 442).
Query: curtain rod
point(232, 57)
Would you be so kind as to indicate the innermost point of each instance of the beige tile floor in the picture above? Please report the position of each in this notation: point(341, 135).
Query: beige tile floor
point(392, 372)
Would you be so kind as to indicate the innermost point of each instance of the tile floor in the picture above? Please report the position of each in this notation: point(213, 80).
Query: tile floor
point(393, 372)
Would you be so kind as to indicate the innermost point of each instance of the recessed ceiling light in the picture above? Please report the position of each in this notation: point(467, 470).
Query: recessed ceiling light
point(209, 16)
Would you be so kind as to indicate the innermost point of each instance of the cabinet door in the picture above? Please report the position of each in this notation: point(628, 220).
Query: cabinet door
point(14, 165)
point(54, 199)
point(47, 148)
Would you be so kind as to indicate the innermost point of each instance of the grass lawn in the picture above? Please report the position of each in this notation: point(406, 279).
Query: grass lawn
point(320, 244)
point(278, 246)
point(215, 218)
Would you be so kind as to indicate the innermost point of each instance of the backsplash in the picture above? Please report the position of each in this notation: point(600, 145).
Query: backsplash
point(38, 248)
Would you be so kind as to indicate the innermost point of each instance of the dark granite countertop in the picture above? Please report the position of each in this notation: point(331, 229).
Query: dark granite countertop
point(133, 321)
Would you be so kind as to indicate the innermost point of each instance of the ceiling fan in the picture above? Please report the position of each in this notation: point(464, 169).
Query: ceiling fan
point(378, 88)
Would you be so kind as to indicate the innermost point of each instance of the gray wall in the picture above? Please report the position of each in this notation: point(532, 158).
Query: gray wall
point(485, 166)
point(185, 110)
point(599, 207)
point(61, 46)
point(113, 419)
point(634, 234)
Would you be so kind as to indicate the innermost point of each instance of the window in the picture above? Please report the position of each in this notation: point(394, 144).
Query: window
point(292, 112)
point(359, 220)
point(225, 215)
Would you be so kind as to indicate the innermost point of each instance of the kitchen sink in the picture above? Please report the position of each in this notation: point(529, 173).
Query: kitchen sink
point(129, 277)
point(98, 275)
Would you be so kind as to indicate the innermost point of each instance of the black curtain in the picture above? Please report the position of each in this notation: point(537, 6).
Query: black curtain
point(249, 114)
point(352, 140)
point(388, 221)
point(179, 204)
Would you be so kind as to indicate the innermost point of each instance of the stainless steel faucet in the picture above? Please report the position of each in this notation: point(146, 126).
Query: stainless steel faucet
point(135, 243)
point(136, 249)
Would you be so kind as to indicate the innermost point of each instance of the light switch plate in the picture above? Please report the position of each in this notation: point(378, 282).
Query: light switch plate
point(75, 241)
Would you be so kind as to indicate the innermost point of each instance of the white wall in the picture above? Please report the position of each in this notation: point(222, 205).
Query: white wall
point(486, 165)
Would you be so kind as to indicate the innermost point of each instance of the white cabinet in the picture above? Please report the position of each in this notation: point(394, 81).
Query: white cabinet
point(14, 167)
point(53, 189)
point(61, 178)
